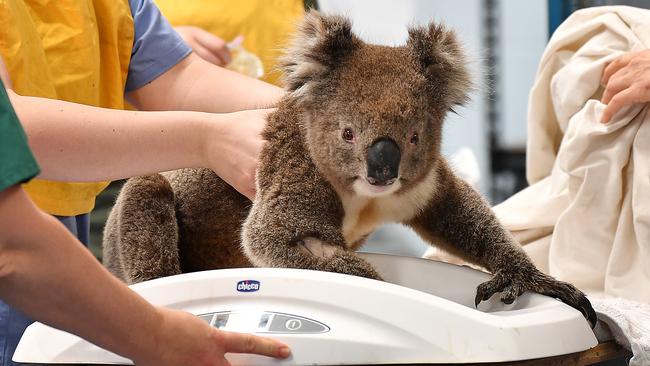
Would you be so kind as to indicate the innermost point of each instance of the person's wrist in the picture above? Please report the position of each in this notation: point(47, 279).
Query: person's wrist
point(208, 130)
point(214, 134)
point(147, 339)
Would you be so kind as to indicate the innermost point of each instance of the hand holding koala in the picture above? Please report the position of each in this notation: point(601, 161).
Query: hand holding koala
point(234, 148)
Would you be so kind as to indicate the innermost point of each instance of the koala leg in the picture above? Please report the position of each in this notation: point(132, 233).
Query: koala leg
point(459, 220)
point(141, 237)
point(292, 238)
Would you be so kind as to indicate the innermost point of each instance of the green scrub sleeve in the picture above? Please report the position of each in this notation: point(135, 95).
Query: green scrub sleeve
point(17, 164)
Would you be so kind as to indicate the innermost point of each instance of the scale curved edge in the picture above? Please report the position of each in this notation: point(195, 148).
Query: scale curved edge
point(427, 318)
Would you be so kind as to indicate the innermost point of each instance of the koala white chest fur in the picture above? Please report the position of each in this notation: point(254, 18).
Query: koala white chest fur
point(365, 211)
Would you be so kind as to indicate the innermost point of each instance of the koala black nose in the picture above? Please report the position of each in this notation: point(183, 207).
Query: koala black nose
point(383, 162)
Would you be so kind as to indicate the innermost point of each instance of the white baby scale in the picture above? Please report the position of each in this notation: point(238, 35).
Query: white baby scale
point(424, 313)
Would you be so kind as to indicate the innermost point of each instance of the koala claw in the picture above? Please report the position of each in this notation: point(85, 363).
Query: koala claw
point(512, 285)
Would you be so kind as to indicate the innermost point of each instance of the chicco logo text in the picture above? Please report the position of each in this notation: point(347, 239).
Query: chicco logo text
point(248, 286)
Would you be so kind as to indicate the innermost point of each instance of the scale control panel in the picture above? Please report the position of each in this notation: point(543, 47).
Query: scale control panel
point(264, 322)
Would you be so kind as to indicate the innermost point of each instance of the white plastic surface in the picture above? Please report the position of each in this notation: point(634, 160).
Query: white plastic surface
point(430, 318)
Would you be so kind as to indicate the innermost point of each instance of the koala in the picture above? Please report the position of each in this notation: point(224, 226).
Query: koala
point(355, 143)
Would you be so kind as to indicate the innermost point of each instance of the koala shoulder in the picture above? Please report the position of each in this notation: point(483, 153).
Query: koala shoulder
point(285, 155)
point(283, 125)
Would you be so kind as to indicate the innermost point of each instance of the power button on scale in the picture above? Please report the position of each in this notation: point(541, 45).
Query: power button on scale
point(293, 324)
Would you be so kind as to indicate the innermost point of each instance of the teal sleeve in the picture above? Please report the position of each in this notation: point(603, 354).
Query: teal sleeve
point(17, 164)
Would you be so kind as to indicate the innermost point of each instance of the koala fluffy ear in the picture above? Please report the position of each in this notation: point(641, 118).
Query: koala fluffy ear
point(442, 61)
point(321, 43)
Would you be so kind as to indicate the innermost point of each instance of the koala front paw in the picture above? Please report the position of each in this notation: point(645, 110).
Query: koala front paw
point(335, 258)
point(511, 285)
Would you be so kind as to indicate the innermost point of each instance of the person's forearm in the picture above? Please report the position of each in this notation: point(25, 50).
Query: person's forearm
point(196, 85)
point(49, 275)
point(79, 143)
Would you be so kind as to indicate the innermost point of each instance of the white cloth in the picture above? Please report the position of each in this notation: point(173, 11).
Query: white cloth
point(628, 322)
point(585, 218)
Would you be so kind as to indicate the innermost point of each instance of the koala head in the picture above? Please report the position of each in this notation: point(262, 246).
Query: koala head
point(372, 115)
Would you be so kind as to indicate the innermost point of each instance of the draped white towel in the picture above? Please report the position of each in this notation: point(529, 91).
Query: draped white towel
point(628, 323)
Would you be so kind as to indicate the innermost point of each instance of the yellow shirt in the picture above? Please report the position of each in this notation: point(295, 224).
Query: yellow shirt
point(72, 50)
point(265, 24)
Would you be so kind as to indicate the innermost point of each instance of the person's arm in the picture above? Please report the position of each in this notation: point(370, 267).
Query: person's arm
point(96, 144)
point(627, 82)
point(48, 275)
point(196, 85)
point(165, 75)
point(78, 143)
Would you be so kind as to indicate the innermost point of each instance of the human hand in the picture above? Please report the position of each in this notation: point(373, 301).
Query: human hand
point(208, 46)
point(233, 148)
point(626, 81)
point(184, 339)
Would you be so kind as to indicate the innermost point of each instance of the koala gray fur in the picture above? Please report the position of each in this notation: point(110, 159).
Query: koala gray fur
point(354, 143)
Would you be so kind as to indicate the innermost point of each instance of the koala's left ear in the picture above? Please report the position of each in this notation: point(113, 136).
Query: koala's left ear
point(322, 42)
point(442, 61)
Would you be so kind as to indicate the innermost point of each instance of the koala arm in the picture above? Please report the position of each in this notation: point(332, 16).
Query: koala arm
point(299, 226)
point(459, 220)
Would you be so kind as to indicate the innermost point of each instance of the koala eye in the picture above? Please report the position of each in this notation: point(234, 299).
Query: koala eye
point(348, 135)
point(414, 138)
